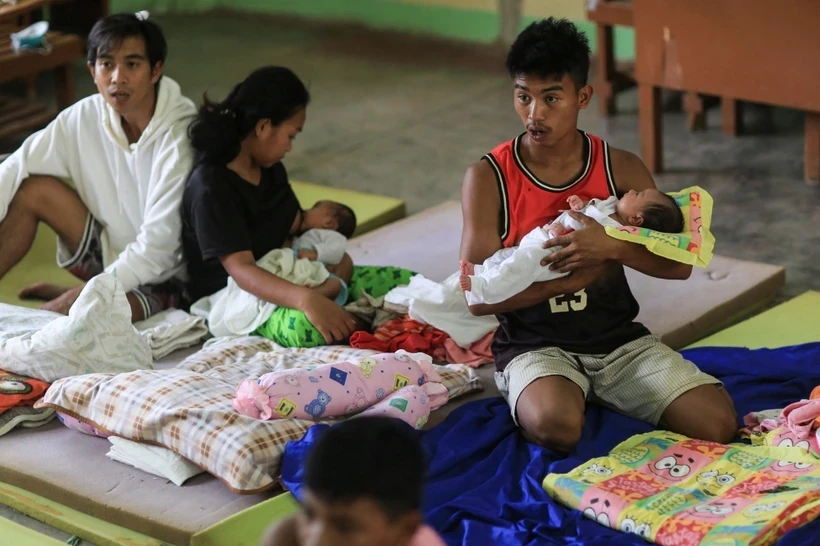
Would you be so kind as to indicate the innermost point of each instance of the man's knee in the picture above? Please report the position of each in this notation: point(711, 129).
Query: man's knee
point(559, 432)
point(721, 427)
point(37, 192)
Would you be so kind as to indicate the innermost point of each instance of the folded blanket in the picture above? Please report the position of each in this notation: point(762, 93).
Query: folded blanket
point(25, 417)
point(233, 311)
point(443, 306)
point(96, 336)
point(670, 489)
point(155, 460)
point(170, 330)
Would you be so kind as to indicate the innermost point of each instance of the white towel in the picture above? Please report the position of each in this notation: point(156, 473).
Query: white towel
point(155, 460)
point(232, 311)
point(170, 330)
point(441, 305)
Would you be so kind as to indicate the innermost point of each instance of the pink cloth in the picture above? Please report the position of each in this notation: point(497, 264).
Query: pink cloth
point(801, 417)
point(426, 536)
point(479, 352)
point(400, 384)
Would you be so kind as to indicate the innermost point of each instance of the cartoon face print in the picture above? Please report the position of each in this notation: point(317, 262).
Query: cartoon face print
point(714, 510)
point(788, 442)
point(716, 479)
point(292, 380)
point(629, 525)
point(598, 469)
point(763, 511)
point(318, 405)
point(790, 467)
point(599, 510)
point(350, 409)
point(12, 386)
point(672, 468)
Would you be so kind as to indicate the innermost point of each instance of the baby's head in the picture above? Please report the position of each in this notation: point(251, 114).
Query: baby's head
point(651, 209)
point(363, 484)
point(330, 215)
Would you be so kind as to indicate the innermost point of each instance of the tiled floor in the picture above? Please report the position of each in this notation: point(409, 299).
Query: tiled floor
point(405, 117)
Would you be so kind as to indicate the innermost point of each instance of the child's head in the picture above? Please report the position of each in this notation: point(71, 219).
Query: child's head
point(651, 209)
point(363, 484)
point(330, 215)
point(261, 116)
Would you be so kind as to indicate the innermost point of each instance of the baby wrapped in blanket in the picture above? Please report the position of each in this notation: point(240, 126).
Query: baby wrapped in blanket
point(401, 385)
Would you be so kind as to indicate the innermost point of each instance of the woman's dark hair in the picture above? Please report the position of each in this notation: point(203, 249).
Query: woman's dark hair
point(272, 92)
point(109, 32)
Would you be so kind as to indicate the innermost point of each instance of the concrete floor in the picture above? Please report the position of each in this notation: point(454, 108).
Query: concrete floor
point(405, 117)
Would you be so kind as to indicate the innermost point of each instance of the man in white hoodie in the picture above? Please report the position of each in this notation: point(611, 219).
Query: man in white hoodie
point(127, 153)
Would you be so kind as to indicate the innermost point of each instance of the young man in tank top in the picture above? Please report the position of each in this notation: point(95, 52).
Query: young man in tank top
point(566, 341)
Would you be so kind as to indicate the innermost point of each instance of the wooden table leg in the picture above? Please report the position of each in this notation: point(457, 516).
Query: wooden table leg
point(732, 116)
point(695, 111)
point(812, 155)
point(64, 80)
point(605, 66)
point(649, 116)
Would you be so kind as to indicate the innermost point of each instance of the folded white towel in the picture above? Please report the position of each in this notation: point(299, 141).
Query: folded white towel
point(155, 460)
point(170, 330)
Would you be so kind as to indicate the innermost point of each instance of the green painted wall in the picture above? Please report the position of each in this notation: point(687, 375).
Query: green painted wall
point(472, 25)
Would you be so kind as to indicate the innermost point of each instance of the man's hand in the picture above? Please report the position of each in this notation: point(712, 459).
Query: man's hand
point(584, 248)
point(62, 304)
point(307, 253)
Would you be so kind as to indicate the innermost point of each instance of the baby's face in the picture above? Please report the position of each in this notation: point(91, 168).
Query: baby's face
point(319, 217)
point(634, 202)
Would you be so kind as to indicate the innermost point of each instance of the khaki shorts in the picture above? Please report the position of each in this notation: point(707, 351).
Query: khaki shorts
point(639, 379)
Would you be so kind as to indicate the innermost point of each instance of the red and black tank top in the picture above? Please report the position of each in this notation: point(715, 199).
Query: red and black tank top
point(599, 318)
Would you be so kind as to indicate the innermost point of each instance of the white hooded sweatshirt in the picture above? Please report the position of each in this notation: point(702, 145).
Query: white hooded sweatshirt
point(133, 190)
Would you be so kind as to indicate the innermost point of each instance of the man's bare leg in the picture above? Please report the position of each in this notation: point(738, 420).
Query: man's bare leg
point(550, 411)
point(705, 413)
point(40, 199)
point(43, 291)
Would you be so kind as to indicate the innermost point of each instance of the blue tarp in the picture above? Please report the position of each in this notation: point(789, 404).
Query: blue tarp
point(484, 481)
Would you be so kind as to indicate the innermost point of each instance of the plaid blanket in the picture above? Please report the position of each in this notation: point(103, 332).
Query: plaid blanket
point(188, 408)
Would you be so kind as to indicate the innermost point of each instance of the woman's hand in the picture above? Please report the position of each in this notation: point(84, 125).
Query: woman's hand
point(334, 323)
point(587, 247)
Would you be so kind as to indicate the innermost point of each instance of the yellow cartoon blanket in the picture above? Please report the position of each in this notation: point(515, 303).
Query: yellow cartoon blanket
point(671, 489)
point(694, 245)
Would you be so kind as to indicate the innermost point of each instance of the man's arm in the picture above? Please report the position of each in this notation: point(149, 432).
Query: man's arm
point(158, 247)
point(42, 153)
point(480, 207)
point(591, 245)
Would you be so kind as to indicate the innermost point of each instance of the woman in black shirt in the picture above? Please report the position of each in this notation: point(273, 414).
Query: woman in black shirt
point(238, 204)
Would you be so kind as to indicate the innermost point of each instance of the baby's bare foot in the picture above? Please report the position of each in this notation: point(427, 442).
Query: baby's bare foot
point(467, 268)
point(465, 282)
